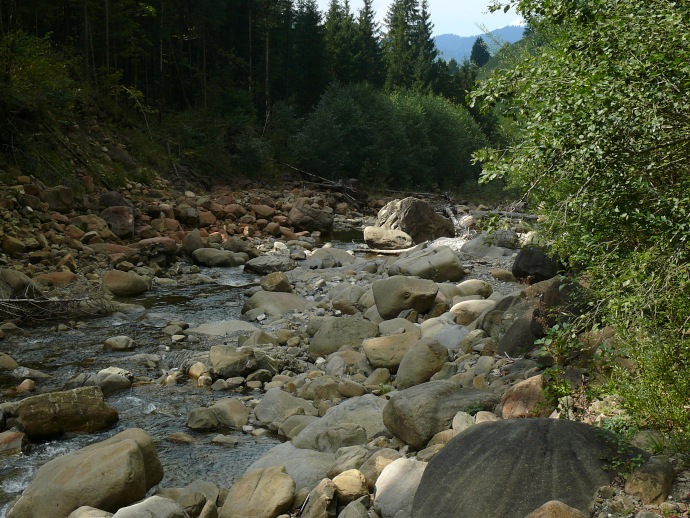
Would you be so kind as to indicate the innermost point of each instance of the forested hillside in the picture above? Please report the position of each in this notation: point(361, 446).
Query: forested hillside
point(241, 87)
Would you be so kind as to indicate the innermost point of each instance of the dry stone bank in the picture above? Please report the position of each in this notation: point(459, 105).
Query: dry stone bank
point(394, 380)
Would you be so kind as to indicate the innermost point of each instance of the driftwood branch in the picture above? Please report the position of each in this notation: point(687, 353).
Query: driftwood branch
point(49, 309)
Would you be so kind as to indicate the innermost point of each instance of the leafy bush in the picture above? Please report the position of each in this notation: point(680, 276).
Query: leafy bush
point(604, 134)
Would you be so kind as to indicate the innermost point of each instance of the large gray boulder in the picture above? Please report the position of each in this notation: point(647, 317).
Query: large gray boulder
point(388, 351)
point(416, 414)
point(357, 420)
point(421, 362)
point(396, 487)
point(534, 265)
point(416, 218)
point(386, 239)
point(124, 284)
point(153, 507)
point(439, 264)
point(49, 415)
point(398, 293)
point(271, 263)
point(306, 467)
point(306, 214)
point(216, 257)
point(273, 303)
point(260, 493)
point(277, 405)
point(512, 467)
point(229, 361)
point(107, 475)
point(224, 413)
point(337, 332)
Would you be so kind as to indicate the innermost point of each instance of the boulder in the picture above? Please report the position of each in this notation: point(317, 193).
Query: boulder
point(223, 328)
point(388, 351)
point(13, 443)
point(277, 405)
point(260, 493)
point(386, 238)
point(276, 282)
point(307, 215)
point(652, 482)
point(349, 486)
point(534, 265)
point(273, 303)
point(107, 475)
point(216, 257)
point(480, 246)
point(329, 257)
point(396, 487)
point(153, 507)
point(119, 343)
point(416, 414)
point(266, 264)
point(224, 413)
point(120, 220)
point(466, 312)
point(229, 361)
point(52, 414)
point(337, 333)
point(439, 264)
point(124, 284)
point(375, 464)
point(60, 198)
point(398, 293)
point(421, 362)
point(416, 218)
point(357, 420)
point(526, 399)
point(16, 285)
point(306, 467)
point(532, 461)
point(556, 509)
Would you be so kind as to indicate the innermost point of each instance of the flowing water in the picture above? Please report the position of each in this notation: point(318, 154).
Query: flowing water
point(158, 409)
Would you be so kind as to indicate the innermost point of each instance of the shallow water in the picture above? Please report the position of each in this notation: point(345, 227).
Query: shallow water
point(158, 409)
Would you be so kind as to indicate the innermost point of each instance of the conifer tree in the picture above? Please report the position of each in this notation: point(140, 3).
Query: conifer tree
point(369, 56)
point(480, 54)
point(400, 43)
point(340, 35)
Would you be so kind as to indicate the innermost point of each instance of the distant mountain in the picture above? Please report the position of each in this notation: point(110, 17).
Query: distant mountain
point(456, 47)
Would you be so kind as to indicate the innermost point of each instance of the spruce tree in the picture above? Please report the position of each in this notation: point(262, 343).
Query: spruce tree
point(340, 35)
point(400, 44)
point(480, 54)
point(369, 64)
point(425, 67)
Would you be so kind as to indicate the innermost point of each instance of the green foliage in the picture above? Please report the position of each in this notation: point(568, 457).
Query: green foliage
point(405, 139)
point(480, 54)
point(603, 134)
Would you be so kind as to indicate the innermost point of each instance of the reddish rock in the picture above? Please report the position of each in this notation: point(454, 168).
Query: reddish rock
point(263, 211)
point(206, 219)
point(12, 245)
point(120, 220)
point(59, 279)
point(235, 210)
point(526, 399)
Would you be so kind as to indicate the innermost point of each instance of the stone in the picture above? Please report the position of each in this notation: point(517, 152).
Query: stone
point(396, 294)
point(532, 461)
point(107, 475)
point(556, 509)
point(388, 351)
point(120, 220)
point(273, 303)
point(16, 285)
point(480, 246)
point(60, 198)
point(7, 363)
point(228, 361)
point(439, 264)
point(354, 510)
point(216, 257)
point(223, 328)
point(652, 482)
point(336, 333)
point(386, 239)
point(421, 362)
point(416, 414)
point(306, 215)
point(260, 493)
point(110, 380)
point(349, 486)
point(86, 511)
point(293, 425)
point(357, 420)
point(375, 464)
point(321, 502)
point(277, 405)
point(396, 487)
point(57, 279)
point(119, 343)
point(52, 414)
point(13, 443)
point(526, 399)
point(534, 265)
point(276, 281)
point(124, 284)
point(224, 413)
point(13, 246)
point(466, 312)
point(306, 467)
point(153, 507)
point(416, 218)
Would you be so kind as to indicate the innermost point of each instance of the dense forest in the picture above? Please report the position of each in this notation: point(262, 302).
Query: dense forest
point(256, 83)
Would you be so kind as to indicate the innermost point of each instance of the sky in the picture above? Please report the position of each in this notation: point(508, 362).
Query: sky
point(461, 17)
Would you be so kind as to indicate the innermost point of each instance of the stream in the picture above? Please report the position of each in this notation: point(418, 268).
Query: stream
point(159, 409)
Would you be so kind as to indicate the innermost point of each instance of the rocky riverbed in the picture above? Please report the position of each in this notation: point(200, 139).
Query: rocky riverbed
point(244, 366)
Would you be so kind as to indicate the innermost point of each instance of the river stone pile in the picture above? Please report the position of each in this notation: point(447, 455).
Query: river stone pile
point(393, 380)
